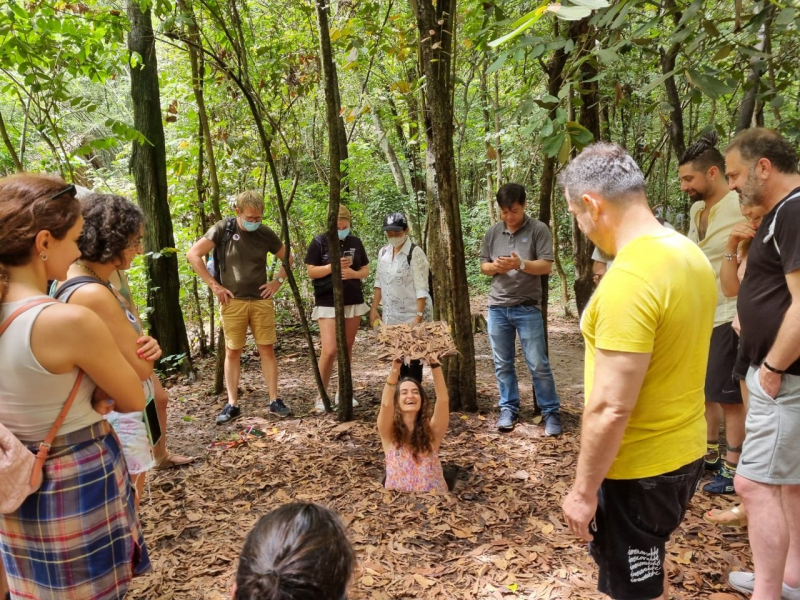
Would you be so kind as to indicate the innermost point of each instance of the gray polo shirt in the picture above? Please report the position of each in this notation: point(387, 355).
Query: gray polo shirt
point(532, 241)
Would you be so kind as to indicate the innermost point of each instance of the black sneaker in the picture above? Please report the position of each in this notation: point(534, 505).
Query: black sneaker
point(228, 414)
point(552, 424)
point(279, 408)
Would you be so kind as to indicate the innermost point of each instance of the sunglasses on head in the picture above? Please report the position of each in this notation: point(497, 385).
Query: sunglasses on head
point(69, 189)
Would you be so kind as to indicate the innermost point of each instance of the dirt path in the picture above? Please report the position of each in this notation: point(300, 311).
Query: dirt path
point(499, 535)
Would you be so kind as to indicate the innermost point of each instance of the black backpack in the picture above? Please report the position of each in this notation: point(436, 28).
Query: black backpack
point(217, 263)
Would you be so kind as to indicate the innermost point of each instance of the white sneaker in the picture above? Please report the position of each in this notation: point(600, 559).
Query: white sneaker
point(336, 402)
point(319, 407)
point(746, 582)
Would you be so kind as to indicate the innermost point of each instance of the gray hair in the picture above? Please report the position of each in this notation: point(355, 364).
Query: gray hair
point(603, 168)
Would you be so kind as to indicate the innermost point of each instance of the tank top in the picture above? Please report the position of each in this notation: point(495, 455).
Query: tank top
point(31, 396)
point(404, 474)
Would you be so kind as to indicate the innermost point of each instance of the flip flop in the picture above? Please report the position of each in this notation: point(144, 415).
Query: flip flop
point(739, 522)
point(170, 461)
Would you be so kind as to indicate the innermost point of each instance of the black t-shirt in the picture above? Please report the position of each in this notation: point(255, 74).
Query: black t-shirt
point(318, 256)
point(764, 296)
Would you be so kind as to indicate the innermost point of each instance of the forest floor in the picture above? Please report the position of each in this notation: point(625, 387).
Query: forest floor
point(500, 534)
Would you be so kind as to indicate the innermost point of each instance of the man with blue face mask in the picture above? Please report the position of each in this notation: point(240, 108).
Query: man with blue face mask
point(244, 294)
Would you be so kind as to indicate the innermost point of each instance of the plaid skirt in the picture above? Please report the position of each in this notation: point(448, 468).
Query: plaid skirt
point(78, 537)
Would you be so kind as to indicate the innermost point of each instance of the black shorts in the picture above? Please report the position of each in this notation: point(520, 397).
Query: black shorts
point(720, 387)
point(634, 520)
point(741, 366)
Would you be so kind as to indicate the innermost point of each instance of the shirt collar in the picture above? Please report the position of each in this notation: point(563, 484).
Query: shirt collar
point(406, 247)
point(525, 222)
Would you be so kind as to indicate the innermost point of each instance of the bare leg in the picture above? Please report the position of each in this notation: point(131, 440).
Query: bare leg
point(269, 368)
point(233, 370)
point(734, 430)
point(713, 421)
point(138, 487)
point(327, 354)
point(351, 326)
point(769, 535)
point(791, 509)
point(165, 460)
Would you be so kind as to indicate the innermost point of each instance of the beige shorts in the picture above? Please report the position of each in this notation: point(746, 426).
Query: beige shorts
point(239, 314)
point(329, 312)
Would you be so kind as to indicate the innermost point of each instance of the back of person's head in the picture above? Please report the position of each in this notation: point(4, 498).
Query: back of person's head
point(110, 224)
point(758, 142)
point(510, 194)
point(605, 169)
point(703, 154)
point(250, 199)
point(296, 552)
point(30, 203)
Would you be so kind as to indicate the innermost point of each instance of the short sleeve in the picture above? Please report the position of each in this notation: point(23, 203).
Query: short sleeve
point(420, 270)
point(786, 222)
point(542, 242)
point(627, 313)
point(274, 243)
point(380, 270)
point(215, 232)
point(486, 248)
point(362, 252)
point(314, 253)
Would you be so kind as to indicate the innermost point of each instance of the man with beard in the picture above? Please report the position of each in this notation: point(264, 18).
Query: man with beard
point(646, 330)
point(714, 213)
point(762, 168)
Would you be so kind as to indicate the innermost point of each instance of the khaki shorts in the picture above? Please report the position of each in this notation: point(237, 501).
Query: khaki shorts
point(240, 314)
point(769, 454)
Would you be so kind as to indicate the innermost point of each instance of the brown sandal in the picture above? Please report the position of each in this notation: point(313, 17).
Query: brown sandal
point(170, 461)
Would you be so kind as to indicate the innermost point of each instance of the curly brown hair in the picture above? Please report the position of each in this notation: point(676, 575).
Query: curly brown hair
point(421, 439)
point(110, 225)
point(30, 203)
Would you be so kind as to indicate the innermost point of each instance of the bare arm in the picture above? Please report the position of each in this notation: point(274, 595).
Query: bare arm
point(66, 336)
point(441, 412)
point(349, 273)
point(618, 378)
point(376, 302)
point(201, 248)
point(386, 412)
point(728, 277)
point(785, 350)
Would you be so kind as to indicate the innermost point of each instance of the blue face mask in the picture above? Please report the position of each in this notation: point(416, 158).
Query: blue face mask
point(343, 233)
point(248, 226)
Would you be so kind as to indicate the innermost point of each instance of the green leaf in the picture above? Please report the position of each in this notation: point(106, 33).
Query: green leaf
point(593, 4)
point(710, 86)
point(656, 82)
point(777, 102)
point(569, 13)
point(607, 55)
point(579, 134)
point(552, 144)
point(786, 16)
point(521, 25)
point(723, 52)
point(497, 64)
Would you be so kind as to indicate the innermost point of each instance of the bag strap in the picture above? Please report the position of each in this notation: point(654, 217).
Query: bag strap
point(44, 447)
point(411, 252)
point(227, 234)
point(771, 230)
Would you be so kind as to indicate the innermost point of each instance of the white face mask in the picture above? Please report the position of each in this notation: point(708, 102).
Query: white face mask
point(397, 241)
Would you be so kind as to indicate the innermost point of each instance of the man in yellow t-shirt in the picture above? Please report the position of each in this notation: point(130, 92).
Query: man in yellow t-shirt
point(713, 215)
point(647, 331)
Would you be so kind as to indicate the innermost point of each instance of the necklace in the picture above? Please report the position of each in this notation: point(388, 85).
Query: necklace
point(92, 272)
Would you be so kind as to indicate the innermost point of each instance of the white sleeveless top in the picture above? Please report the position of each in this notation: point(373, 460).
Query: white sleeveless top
point(31, 396)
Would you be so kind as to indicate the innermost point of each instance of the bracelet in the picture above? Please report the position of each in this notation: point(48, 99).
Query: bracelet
point(389, 383)
point(730, 256)
point(773, 369)
point(435, 366)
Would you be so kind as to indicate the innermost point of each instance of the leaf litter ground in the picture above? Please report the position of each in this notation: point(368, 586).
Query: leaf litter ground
point(499, 535)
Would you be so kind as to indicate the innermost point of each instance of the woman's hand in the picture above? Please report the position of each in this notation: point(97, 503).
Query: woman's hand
point(739, 233)
point(149, 348)
point(101, 403)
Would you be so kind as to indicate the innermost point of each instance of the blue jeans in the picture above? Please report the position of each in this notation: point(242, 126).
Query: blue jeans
point(504, 324)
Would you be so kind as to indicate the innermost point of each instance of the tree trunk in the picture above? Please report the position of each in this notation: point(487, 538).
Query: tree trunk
point(9, 146)
point(748, 115)
point(435, 56)
point(333, 107)
point(391, 157)
point(668, 58)
point(491, 186)
point(149, 167)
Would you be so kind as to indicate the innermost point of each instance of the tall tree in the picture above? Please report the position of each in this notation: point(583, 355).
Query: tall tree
point(436, 26)
point(149, 168)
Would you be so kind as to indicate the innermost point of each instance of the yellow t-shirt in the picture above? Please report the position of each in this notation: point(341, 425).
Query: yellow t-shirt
point(721, 219)
point(659, 298)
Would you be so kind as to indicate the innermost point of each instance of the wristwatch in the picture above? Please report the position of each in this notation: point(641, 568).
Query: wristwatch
point(420, 313)
point(521, 265)
point(280, 280)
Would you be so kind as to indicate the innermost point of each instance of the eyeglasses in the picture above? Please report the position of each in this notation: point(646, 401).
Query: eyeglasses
point(69, 189)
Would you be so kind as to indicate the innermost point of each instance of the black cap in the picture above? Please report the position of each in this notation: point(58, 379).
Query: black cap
point(395, 222)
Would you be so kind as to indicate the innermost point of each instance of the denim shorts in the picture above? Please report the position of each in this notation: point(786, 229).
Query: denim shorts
point(634, 520)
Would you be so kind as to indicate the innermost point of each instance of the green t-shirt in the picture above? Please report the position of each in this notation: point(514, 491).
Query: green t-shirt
point(245, 258)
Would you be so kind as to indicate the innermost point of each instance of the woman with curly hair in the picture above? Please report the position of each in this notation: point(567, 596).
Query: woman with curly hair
point(298, 551)
point(77, 537)
point(410, 436)
point(111, 238)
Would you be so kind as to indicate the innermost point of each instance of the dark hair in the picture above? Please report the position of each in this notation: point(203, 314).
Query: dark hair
point(703, 154)
point(30, 203)
point(510, 194)
point(421, 439)
point(298, 551)
point(110, 223)
point(757, 143)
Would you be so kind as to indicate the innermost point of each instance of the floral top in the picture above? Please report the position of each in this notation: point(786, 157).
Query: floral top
point(404, 474)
